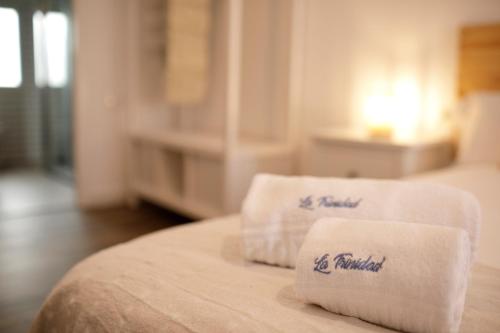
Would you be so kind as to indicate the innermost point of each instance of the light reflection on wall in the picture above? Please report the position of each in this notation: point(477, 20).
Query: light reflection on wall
point(395, 107)
point(401, 98)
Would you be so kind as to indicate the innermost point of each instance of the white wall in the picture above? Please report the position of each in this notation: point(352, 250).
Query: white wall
point(353, 46)
point(265, 68)
point(99, 101)
point(349, 46)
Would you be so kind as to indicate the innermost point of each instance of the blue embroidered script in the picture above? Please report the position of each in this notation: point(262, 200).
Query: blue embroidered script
point(347, 261)
point(327, 201)
point(306, 203)
point(322, 264)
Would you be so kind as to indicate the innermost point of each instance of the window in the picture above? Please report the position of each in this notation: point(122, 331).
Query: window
point(10, 46)
point(38, 47)
point(50, 34)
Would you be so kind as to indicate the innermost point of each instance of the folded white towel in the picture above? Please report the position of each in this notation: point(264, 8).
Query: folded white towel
point(278, 211)
point(408, 276)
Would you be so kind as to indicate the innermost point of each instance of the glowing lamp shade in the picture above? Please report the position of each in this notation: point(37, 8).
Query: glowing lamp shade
point(378, 113)
point(406, 103)
point(394, 113)
point(10, 49)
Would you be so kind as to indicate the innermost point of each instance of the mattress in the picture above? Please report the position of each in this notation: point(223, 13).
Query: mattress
point(193, 278)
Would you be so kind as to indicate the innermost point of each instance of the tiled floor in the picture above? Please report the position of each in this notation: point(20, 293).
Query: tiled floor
point(43, 234)
point(27, 192)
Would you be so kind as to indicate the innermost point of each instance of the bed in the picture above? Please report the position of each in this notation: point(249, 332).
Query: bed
point(193, 278)
point(482, 180)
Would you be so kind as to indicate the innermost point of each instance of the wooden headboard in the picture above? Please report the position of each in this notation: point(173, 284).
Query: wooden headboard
point(479, 59)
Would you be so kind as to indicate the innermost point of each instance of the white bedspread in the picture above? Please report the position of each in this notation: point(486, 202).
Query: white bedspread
point(484, 182)
point(193, 279)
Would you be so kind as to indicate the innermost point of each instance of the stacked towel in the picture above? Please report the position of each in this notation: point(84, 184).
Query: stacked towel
point(278, 211)
point(411, 277)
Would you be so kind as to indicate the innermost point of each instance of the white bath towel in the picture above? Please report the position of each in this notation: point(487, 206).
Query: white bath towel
point(407, 276)
point(278, 211)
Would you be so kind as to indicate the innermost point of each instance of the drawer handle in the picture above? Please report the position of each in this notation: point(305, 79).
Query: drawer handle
point(352, 174)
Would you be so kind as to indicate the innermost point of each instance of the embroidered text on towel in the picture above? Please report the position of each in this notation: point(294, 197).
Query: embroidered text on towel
point(327, 201)
point(346, 261)
point(322, 264)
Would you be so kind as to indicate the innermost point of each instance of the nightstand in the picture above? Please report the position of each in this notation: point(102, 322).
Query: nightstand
point(347, 153)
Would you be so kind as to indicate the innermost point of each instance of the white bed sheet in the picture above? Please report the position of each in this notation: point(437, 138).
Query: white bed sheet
point(194, 279)
point(482, 180)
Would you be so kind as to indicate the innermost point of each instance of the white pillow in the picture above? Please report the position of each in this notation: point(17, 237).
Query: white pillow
point(480, 139)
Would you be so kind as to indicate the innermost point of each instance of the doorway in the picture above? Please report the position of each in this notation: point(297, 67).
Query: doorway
point(36, 82)
point(52, 53)
point(36, 85)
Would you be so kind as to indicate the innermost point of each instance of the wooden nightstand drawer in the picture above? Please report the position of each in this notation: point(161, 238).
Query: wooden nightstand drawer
point(338, 156)
point(339, 161)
